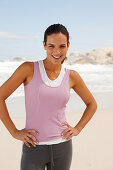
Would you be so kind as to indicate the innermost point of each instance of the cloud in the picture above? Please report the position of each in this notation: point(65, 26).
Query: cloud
point(7, 35)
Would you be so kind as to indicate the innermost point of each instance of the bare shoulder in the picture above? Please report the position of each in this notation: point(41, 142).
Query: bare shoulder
point(19, 76)
point(79, 86)
point(26, 66)
point(74, 78)
point(29, 66)
point(29, 69)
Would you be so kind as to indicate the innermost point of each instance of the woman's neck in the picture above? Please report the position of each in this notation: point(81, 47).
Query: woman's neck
point(51, 67)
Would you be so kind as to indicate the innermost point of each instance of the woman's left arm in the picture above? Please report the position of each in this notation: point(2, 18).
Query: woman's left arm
point(81, 89)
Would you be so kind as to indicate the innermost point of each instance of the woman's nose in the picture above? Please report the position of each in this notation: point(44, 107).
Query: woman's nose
point(56, 52)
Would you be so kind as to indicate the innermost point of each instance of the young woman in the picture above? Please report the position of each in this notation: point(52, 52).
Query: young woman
point(47, 136)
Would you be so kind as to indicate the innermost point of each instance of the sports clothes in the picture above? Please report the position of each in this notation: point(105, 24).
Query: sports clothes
point(45, 105)
point(53, 157)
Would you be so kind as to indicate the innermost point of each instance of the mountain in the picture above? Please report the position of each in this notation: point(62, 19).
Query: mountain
point(96, 56)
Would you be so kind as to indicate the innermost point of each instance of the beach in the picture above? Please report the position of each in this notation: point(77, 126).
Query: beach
point(78, 36)
point(92, 147)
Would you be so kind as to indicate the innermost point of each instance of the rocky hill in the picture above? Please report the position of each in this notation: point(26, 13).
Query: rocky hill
point(97, 56)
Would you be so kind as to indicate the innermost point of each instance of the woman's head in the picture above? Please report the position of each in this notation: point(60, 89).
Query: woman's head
point(56, 42)
point(54, 29)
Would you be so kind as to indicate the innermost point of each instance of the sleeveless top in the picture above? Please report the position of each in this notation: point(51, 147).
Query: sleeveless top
point(45, 103)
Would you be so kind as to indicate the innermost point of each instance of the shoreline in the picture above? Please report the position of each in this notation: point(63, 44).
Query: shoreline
point(16, 105)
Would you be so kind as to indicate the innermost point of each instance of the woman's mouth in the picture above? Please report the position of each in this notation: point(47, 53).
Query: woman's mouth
point(56, 57)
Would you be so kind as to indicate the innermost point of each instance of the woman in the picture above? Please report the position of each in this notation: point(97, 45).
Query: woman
point(47, 136)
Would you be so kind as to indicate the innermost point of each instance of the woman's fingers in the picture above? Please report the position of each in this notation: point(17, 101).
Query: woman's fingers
point(33, 131)
point(25, 135)
point(26, 143)
point(32, 137)
point(30, 141)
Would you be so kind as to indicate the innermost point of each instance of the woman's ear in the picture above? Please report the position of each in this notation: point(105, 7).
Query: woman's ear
point(44, 45)
point(68, 44)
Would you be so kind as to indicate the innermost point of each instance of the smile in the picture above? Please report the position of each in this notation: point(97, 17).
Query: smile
point(56, 57)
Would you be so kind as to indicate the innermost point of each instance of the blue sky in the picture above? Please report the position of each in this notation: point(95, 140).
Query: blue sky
point(23, 22)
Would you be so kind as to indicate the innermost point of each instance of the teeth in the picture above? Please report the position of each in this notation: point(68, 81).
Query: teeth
point(56, 57)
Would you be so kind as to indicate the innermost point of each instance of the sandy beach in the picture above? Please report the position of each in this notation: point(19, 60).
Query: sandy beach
point(92, 148)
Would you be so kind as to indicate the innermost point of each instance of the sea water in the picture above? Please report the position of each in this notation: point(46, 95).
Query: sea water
point(98, 78)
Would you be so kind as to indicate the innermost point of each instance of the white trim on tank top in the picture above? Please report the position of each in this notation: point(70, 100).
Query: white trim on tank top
point(46, 80)
point(54, 141)
point(52, 83)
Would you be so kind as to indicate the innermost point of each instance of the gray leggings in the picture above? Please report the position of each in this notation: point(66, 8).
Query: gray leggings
point(52, 157)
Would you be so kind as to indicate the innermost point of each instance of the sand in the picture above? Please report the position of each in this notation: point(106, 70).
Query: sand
point(92, 148)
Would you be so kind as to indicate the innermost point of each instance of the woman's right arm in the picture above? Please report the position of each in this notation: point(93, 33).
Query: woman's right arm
point(16, 79)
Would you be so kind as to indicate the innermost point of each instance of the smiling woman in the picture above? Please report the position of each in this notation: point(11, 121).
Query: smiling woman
point(56, 42)
point(47, 87)
point(54, 47)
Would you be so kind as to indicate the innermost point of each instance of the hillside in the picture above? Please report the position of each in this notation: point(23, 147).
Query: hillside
point(97, 56)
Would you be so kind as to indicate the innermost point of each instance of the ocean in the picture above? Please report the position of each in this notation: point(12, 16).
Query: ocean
point(98, 78)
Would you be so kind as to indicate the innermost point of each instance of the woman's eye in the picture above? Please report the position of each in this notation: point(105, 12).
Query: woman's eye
point(53, 47)
point(50, 46)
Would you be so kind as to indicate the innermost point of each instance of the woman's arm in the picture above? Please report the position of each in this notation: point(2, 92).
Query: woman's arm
point(81, 89)
point(17, 78)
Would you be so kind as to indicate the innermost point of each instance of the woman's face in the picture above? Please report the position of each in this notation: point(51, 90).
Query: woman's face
point(56, 47)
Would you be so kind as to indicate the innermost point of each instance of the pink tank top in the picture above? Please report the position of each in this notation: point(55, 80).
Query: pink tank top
point(45, 106)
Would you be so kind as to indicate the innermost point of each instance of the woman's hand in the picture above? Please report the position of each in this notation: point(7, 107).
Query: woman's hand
point(70, 131)
point(25, 136)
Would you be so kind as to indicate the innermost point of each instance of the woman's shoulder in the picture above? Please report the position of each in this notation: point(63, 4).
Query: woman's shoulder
point(29, 68)
point(72, 73)
point(74, 77)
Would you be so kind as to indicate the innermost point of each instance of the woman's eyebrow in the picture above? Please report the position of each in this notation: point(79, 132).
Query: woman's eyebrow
point(53, 44)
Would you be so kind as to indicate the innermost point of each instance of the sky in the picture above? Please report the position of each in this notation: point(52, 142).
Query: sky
point(23, 23)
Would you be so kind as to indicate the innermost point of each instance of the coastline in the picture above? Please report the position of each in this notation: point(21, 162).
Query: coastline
point(74, 105)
